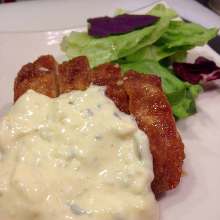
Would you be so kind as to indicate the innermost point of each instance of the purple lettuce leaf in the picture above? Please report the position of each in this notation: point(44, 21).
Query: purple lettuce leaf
point(202, 70)
point(106, 26)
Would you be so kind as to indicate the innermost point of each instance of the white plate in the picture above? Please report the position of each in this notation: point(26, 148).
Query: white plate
point(197, 196)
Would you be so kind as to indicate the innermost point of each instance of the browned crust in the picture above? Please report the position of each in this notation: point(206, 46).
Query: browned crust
point(137, 94)
point(109, 75)
point(118, 95)
point(74, 75)
point(39, 76)
point(153, 114)
point(105, 74)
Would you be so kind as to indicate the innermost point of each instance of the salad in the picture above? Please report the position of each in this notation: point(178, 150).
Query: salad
point(157, 47)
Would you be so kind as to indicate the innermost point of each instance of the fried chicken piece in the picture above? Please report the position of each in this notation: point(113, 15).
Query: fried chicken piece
point(109, 75)
point(105, 74)
point(140, 95)
point(149, 106)
point(118, 95)
point(39, 76)
point(74, 75)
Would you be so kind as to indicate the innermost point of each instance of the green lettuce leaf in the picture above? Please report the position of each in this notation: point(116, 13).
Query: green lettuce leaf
point(161, 10)
point(182, 34)
point(179, 56)
point(179, 37)
point(101, 50)
point(181, 95)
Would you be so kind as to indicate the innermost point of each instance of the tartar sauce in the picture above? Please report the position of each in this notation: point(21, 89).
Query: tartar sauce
point(74, 157)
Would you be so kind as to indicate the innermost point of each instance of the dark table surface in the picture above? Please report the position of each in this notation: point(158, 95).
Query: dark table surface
point(204, 2)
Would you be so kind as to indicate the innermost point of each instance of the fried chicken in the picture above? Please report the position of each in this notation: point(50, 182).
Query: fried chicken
point(74, 75)
point(153, 114)
point(137, 94)
point(109, 75)
point(40, 76)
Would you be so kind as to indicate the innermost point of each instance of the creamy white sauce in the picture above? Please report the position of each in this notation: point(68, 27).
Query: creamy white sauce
point(73, 157)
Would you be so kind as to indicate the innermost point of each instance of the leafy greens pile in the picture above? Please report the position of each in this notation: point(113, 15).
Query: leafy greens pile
point(149, 50)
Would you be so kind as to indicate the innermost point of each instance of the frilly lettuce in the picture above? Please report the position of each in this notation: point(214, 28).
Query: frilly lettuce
point(179, 36)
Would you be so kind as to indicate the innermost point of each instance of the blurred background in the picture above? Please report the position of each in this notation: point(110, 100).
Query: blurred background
point(211, 4)
point(41, 15)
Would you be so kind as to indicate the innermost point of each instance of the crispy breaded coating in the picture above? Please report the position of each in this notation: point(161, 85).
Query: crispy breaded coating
point(109, 75)
point(149, 106)
point(118, 95)
point(74, 75)
point(39, 76)
point(48, 62)
point(104, 74)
